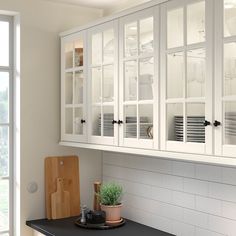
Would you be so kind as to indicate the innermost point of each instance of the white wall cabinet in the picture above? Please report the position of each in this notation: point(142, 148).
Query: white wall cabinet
point(225, 78)
point(138, 76)
point(159, 78)
point(187, 76)
point(103, 83)
point(73, 88)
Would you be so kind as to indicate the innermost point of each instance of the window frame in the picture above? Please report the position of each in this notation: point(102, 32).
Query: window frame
point(10, 124)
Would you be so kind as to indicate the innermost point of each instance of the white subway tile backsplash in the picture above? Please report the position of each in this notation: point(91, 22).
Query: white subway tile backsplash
point(203, 232)
point(222, 191)
point(137, 189)
point(149, 219)
point(229, 210)
point(196, 186)
point(208, 205)
point(229, 175)
point(161, 194)
point(181, 229)
point(161, 223)
point(137, 215)
point(141, 163)
point(207, 172)
point(173, 182)
point(183, 169)
point(222, 225)
point(185, 199)
point(195, 218)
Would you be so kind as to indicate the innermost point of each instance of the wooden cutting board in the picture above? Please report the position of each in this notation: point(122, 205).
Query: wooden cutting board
point(66, 168)
point(60, 201)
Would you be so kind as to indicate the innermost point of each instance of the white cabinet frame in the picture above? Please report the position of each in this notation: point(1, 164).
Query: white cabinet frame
point(98, 29)
point(74, 137)
point(136, 17)
point(201, 148)
point(220, 40)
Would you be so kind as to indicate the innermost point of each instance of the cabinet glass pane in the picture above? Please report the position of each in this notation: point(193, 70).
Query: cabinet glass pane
point(97, 121)
point(146, 121)
point(79, 59)
point(4, 205)
point(175, 122)
point(130, 121)
point(196, 73)
point(69, 55)
point(146, 35)
point(230, 17)
point(108, 46)
point(196, 31)
point(146, 72)
point(69, 121)
point(4, 43)
point(108, 83)
point(230, 123)
point(130, 80)
point(97, 49)
point(79, 87)
point(175, 28)
point(108, 117)
point(69, 88)
point(96, 85)
point(230, 69)
point(4, 97)
point(4, 151)
point(131, 39)
point(195, 122)
point(175, 75)
point(77, 121)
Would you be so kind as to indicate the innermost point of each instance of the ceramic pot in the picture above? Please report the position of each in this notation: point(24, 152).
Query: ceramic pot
point(113, 213)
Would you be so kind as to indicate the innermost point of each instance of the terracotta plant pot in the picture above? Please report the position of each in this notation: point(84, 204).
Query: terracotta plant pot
point(113, 213)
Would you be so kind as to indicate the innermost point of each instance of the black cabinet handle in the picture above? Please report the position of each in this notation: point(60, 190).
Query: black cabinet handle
point(120, 122)
point(114, 122)
point(82, 121)
point(216, 123)
point(206, 123)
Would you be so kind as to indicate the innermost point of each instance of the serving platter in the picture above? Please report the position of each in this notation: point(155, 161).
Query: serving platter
point(101, 226)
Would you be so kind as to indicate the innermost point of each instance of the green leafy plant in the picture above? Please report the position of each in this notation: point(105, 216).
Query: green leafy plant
point(110, 194)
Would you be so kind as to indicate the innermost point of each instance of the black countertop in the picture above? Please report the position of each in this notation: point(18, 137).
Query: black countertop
point(66, 227)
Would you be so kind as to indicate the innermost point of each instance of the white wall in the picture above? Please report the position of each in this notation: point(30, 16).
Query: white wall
point(181, 198)
point(122, 5)
point(41, 21)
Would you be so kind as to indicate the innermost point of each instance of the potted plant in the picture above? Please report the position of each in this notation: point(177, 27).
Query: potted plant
point(110, 198)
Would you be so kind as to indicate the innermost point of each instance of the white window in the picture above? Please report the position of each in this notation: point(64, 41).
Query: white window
point(6, 125)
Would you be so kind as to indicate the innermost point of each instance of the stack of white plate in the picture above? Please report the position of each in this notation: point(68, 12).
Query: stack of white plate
point(230, 123)
point(108, 127)
point(195, 129)
point(131, 127)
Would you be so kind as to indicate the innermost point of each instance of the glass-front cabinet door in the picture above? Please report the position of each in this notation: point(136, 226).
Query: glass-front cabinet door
point(103, 84)
point(139, 47)
point(186, 72)
point(73, 88)
point(225, 109)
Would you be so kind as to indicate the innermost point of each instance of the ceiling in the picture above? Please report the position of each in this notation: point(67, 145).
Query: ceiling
point(101, 4)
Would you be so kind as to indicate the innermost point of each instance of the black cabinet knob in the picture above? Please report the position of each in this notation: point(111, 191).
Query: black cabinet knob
point(206, 123)
point(120, 122)
point(216, 123)
point(82, 121)
point(114, 122)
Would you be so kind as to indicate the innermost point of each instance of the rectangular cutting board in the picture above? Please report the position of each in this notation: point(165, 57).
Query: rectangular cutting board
point(67, 168)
